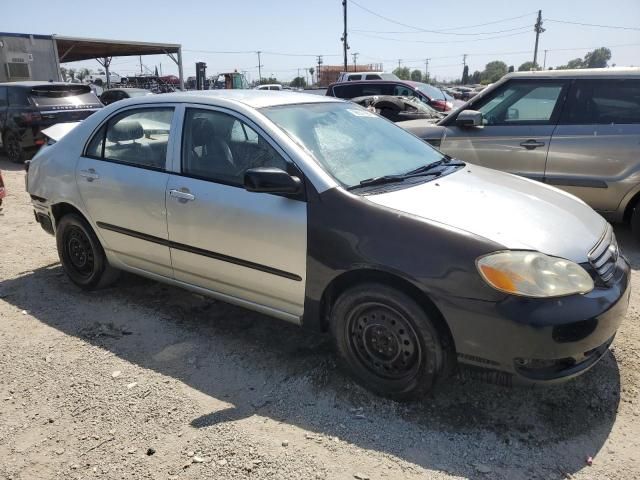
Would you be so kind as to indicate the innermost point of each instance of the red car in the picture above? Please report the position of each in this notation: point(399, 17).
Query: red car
point(432, 96)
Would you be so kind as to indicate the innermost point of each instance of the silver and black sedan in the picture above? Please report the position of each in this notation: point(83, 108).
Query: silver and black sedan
point(323, 214)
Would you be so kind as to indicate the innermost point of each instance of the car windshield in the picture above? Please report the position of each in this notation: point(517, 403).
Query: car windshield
point(432, 92)
point(351, 143)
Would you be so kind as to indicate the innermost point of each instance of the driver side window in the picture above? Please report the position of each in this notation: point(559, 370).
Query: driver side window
point(220, 148)
point(523, 103)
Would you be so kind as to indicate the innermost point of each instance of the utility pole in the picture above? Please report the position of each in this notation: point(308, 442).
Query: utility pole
point(140, 58)
point(399, 62)
point(345, 45)
point(355, 61)
point(544, 63)
point(259, 68)
point(318, 72)
point(426, 68)
point(538, 29)
point(464, 60)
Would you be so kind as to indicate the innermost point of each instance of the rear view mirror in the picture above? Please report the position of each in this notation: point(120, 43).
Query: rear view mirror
point(469, 118)
point(271, 180)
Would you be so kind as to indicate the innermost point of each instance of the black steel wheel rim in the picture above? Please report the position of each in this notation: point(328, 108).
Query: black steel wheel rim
point(79, 251)
point(384, 341)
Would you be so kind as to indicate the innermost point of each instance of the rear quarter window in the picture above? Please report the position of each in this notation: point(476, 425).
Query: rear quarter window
point(604, 102)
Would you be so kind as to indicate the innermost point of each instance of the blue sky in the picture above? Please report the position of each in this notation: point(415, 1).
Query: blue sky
point(310, 27)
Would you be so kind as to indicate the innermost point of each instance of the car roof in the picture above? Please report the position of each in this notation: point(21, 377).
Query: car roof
point(31, 84)
point(613, 72)
point(251, 98)
point(126, 89)
point(373, 82)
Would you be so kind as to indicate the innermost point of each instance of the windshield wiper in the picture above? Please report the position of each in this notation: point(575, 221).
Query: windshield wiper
point(425, 170)
point(370, 182)
point(446, 160)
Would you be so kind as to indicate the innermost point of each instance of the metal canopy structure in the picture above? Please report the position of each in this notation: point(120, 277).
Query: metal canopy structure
point(74, 49)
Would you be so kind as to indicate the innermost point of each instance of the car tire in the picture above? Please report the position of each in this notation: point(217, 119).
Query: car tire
point(388, 341)
point(81, 254)
point(12, 147)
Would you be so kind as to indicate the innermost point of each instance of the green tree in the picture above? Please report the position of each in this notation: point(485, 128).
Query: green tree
point(475, 78)
point(527, 66)
point(64, 73)
point(298, 82)
point(82, 73)
point(403, 73)
point(311, 72)
point(493, 71)
point(416, 75)
point(268, 80)
point(72, 73)
point(599, 58)
point(465, 75)
point(572, 64)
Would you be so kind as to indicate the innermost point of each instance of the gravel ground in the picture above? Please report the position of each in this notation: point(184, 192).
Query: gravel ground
point(143, 380)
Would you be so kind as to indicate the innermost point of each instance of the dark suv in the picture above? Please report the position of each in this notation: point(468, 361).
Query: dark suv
point(430, 95)
point(26, 108)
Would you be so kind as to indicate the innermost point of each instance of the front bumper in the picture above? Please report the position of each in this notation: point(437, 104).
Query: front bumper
point(539, 340)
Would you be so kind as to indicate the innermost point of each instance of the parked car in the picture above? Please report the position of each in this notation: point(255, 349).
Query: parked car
point(3, 191)
point(351, 76)
point(398, 109)
point(576, 129)
point(321, 213)
point(432, 96)
point(269, 86)
point(115, 94)
point(28, 107)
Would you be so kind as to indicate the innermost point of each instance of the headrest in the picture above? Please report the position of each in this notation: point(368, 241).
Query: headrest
point(202, 131)
point(126, 130)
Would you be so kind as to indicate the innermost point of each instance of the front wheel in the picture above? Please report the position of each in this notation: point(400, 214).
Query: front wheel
point(81, 254)
point(388, 341)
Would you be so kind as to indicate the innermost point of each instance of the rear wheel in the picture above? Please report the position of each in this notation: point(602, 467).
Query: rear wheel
point(81, 254)
point(13, 148)
point(388, 341)
point(635, 221)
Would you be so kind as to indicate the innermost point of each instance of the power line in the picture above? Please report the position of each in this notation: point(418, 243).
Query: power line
point(615, 27)
point(436, 43)
point(443, 30)
point(404, 32)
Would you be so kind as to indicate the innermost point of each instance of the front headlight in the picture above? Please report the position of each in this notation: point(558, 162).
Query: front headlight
point(533, 274)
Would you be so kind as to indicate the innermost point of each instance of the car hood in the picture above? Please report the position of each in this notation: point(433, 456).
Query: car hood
point(423, 128)
point(515, 212)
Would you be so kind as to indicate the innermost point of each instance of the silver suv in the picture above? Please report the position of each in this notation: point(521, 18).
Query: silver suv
point(578, 130)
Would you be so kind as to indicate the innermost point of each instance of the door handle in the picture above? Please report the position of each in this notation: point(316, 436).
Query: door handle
point(531, 144)
point(180, 195)
point(90, 174)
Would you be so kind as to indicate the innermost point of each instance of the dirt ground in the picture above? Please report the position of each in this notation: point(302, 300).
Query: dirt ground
point(143, 380)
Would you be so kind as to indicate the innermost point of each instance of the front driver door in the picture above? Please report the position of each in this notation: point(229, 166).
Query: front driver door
point(251, 248)
point(519, 119)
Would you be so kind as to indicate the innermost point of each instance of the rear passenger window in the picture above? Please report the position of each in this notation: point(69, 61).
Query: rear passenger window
point(3, 96)
point(347, 91)
point(604, 102)
point(374, 77)
point(135, 137)
point(355, 77)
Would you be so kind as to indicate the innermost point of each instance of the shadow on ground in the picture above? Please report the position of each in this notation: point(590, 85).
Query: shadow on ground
point(265, 366)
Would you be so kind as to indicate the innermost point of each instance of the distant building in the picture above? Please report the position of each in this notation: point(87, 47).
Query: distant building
point(330, 73)
point(28, 57)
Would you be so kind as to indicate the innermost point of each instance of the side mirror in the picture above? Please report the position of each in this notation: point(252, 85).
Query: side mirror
point(271, 180)
point(469, 118)
point(513, 114)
